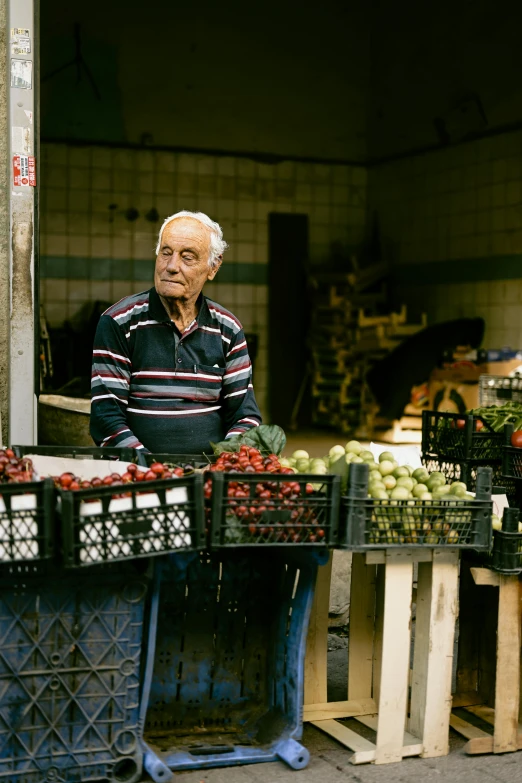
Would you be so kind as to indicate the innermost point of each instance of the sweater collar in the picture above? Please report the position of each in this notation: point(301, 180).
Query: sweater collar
point(158, 313)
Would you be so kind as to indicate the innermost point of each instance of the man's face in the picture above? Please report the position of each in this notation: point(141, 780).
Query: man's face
point(182, 263)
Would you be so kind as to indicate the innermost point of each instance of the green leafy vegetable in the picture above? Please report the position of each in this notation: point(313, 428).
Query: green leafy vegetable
point(268, 438)
point(341, 468)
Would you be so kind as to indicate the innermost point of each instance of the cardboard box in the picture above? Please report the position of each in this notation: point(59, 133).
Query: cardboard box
point(456, 388)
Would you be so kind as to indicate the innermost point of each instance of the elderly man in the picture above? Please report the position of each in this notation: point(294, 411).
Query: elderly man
point(171, 370)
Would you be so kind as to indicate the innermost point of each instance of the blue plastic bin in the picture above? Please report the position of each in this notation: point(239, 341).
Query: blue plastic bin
point(70, 657)
point(226, 679)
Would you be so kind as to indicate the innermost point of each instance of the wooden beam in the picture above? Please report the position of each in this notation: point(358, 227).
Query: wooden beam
point(469, 731)
point(466, 699)
point(507, 691)
point(364, 749)
point(362, 620)
point(315, 684)
point(378, 556)
point(413, 744)
point(395, 657)
point(484, 576)
point(437, 600)
point(338, 709)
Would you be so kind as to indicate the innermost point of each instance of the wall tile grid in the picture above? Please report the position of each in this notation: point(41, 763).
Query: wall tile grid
point(90, 250)
point(453, 219)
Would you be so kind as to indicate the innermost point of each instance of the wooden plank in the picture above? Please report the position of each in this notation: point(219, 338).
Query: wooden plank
point(338, 709)
point(377, 639)
point(481, 745)
point(468, 730)
point(362, 619)
point(414, 744)
point(433, 654)
point(507, 691)
point(485, 577)
point(395, 658)
point(348, 738)
point(487, 714)
point(378, 556)
point(315, 684)
point(467, 699)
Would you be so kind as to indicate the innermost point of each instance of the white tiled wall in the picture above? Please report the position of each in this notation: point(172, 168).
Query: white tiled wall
point(85, 192)
point(458, 205)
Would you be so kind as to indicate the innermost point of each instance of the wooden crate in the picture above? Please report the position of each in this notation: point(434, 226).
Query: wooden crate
point(488, 670)
point(379, 655)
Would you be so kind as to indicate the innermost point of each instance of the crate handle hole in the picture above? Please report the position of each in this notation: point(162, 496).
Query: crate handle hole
point(125, 769)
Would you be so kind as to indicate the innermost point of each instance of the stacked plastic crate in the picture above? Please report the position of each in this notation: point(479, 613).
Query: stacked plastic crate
point(107, 598)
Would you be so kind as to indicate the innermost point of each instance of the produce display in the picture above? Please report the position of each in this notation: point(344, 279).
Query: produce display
point(13, 469)
point(155, 472)
point(406, 505)
point(269, 508)
point(495, 417)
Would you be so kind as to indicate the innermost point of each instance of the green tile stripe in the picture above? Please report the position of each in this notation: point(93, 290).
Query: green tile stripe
point(459, 270)
point(72, 268)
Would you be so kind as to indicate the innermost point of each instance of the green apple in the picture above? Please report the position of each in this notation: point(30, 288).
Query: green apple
point(353, 447)
point(419, 490)
point(300, 454)
point(336, 452)
point(406, 482)
point(386, 467)
point(399, 493)
point(421, 475)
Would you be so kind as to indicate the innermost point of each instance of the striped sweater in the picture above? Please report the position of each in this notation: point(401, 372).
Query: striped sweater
point(156, 388)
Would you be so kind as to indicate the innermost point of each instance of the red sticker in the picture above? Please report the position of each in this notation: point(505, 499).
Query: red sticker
point(24, 170)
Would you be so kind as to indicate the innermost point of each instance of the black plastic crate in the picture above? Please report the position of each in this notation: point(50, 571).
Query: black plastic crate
point(444, 438)
point(467, 472)
point(382, 524)
point(511, 457)
point(27, 522)
point(507, 552)
point(498, 389)
point(181, 460)
point(78, 452)
point(297, 518)
point(98, 526)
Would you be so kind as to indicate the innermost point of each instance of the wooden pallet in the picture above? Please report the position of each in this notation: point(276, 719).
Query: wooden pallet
point(379, 655)
point(488, 672)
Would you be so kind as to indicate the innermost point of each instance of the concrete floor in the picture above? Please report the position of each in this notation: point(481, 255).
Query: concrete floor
point(330, 764)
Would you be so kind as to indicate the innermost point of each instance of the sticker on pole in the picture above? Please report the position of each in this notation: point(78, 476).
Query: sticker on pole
point(24, 170)
point(20, 41)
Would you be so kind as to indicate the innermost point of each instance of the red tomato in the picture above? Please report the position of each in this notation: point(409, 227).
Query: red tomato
point(516, 439)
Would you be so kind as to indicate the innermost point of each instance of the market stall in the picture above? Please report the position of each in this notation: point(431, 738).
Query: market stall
point(210, 601)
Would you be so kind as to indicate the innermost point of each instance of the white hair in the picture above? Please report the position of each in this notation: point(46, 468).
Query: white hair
point(217, 243)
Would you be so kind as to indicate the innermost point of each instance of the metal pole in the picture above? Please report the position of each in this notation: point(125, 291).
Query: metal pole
point(22, 128)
